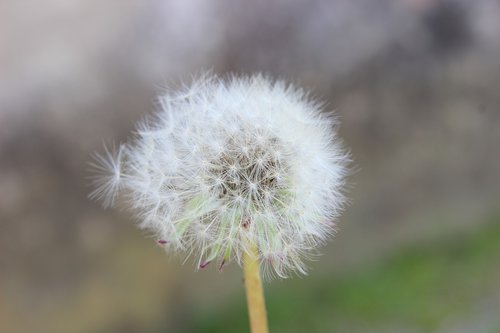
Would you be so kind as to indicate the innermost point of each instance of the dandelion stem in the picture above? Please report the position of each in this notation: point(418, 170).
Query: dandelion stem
point(254, 291)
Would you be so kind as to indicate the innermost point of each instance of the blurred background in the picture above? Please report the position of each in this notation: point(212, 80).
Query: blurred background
point(416, 84)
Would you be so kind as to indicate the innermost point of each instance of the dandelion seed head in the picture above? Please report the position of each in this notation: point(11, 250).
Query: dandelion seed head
point(224, 162)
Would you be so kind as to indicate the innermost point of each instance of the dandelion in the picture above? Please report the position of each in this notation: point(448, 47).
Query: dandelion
point(246, 169)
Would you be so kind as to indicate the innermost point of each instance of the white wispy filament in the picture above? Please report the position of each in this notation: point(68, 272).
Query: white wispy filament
point(228, 162)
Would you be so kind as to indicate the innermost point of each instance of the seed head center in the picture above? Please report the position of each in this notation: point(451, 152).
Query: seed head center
point(245, 173)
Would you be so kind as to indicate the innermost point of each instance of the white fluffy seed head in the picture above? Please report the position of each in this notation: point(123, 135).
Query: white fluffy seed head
point(228, 162)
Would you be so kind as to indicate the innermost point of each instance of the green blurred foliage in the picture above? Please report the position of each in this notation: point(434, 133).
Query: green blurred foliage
point(415, 290)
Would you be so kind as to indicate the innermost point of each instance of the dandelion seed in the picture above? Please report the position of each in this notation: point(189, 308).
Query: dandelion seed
point(107, 169)
point(204, 264)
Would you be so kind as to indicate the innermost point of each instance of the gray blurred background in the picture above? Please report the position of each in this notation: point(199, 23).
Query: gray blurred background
point(416, 84)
